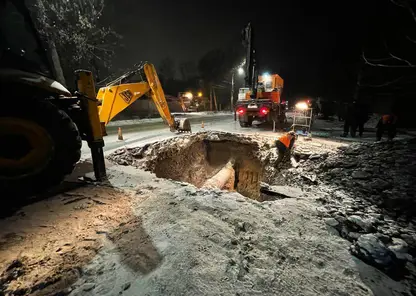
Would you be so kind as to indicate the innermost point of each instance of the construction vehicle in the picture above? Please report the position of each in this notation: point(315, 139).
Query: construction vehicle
point(190, 102)
point(42, 124)
point(260, 98)
point(185, 99)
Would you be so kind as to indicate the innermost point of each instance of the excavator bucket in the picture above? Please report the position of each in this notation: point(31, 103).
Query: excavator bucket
point(158, 96)
point(183, 125)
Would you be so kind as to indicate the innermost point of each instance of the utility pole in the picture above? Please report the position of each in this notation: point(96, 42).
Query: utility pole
point(215, 100)
point(210, 98)
point(232, 92)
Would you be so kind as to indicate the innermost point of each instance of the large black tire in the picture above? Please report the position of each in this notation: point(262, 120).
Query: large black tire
point(243, 123)
point(54, 158)
point(247, 123)
point(250, 120)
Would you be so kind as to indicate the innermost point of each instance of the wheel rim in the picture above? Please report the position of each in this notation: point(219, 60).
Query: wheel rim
point(26, 148)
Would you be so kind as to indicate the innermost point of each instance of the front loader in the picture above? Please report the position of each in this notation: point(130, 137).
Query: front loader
point(42, 124)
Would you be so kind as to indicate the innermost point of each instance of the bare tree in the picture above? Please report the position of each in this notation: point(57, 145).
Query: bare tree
point(391, 60)
point(76, 34)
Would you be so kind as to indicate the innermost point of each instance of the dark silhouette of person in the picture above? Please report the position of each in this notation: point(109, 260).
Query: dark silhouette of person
point(349, 120)
point(387, 123)
point(356, 116)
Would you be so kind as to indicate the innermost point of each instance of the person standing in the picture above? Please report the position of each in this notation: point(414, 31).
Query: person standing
point(350, 121)
point(361, 117)
point(356, 117)
point(387, 123)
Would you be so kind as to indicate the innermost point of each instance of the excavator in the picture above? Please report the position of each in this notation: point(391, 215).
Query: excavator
point(42, 124)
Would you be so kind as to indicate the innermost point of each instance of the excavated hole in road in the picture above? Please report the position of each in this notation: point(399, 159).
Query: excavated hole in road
point(203, 159)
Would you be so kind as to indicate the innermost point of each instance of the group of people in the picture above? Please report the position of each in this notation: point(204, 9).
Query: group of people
point(355, 118)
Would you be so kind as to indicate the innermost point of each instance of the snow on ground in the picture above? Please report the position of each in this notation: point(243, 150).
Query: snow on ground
point(145, 121)
point(143, 235)
point(215, 243)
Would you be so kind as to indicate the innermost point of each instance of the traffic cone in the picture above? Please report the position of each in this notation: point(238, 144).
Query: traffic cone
point(120, 134)
point(202, 125)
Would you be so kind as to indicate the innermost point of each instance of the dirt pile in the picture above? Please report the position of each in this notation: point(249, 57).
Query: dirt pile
point(220, 243)
point(366, 191)
point(213, 242)
point(367, 194)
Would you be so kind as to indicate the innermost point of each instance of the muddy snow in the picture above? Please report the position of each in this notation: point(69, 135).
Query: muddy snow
point(336, 220)
point(44, 246)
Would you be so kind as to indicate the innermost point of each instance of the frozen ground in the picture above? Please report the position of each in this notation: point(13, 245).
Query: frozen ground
point(164, 238)
point(213, 243)
point(143, 235)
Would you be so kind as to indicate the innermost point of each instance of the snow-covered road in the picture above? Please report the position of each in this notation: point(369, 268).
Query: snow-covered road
point(141, 132)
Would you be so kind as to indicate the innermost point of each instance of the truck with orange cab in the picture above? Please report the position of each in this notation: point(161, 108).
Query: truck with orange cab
point(266, 106)
point(260, 98)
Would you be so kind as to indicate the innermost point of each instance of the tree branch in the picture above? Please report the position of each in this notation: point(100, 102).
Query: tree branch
point(397, 3)
point(409, 65)
point(410, 39)
point(400, 59)
point(406, 5)
point(411, 11)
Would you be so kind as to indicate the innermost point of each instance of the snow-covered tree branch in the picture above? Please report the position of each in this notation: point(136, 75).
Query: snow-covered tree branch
point(76, 30)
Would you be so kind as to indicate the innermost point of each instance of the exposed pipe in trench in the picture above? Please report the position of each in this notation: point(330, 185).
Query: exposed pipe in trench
point(220, 179)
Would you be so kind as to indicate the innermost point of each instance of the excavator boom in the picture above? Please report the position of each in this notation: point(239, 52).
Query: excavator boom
point(117, 96)
point(158, 95)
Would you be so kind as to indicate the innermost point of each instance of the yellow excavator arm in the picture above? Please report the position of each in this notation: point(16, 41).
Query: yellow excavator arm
point(116, 96)
point(100, 109)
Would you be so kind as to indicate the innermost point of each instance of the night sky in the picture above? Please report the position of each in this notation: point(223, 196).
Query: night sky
point(313, 45)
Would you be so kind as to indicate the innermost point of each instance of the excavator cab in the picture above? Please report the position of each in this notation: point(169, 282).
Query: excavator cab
point(42, 124)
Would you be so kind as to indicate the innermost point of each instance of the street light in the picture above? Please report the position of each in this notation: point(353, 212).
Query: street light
point(240, 71)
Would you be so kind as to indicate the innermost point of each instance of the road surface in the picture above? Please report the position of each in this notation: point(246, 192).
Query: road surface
point(137, 133)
